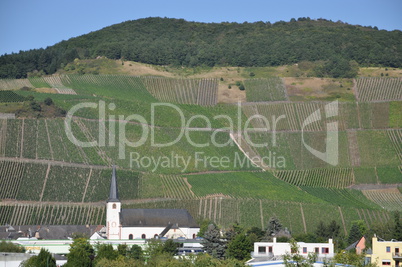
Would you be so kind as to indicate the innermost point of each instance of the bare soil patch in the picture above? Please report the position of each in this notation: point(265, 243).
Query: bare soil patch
point(139, 69)
point(311, 88)
point(376, 72)
point(234, 95)
point(46, 90)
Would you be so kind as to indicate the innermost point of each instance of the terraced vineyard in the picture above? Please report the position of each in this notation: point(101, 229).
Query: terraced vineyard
point(57, 83)
point(38, 161)
point(271, 89)
point(330, 178)
point(291, 116)
point(10, 96)
point(57, 214)
point(390, 199)
point(245, 185)
point(47, 139)
point(39, 82)
point(13, 84)
point(114, 86)
point(341, 197)
point(176, 187)
point(29, 181)
point(396, 138)
point(183, 91)
point(379, 89)
point(298, 217)
point(10, 179)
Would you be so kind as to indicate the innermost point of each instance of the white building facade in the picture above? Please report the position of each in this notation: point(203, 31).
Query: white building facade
point(145, 223)
point(271, 253)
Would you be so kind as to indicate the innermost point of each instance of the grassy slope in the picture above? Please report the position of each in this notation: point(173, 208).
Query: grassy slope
point(247, 185)
point(242, 186)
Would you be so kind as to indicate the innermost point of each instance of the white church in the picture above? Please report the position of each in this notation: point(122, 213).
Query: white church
point(146, 223)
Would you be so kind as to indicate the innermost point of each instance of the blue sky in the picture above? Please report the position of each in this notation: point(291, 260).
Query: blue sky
point(28, 24)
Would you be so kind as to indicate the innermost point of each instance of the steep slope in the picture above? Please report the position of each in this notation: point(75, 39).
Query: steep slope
point(164, 41)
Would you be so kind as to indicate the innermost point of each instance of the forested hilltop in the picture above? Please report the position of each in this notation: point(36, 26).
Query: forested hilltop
point(163, 41)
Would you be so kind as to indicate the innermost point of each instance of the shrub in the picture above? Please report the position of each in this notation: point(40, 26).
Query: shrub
point(35, 106)
point(48, 101)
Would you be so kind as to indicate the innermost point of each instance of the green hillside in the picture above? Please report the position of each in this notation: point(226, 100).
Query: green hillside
point(337, 46)
point(213, 168)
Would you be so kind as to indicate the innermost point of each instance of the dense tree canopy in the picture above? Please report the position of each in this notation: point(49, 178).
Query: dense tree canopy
point(164, 41)
point(44, 258)
point(11, 247)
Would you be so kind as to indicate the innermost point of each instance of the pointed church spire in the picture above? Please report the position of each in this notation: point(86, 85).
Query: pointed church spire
point(114, 194)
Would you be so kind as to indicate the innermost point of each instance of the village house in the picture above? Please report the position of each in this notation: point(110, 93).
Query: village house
point(271, 253)
point(386, 253)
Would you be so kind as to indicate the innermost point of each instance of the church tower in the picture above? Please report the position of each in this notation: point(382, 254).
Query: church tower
point(113, 208)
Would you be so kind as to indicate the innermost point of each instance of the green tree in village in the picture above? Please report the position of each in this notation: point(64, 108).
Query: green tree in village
point(397, 233)
point(120, 262)
point(274, 226)
point(157, 247)
point(357, 230)
point(351, 258)
point(233, 231)
point(213, 243)
point(240, 247)
point(323, 232)
point(44, 258)
point(170, 247)
point(11, 247)
point(105, 251)
point(295, 259)
point(204, 226)
point(81, 254)
point(136, 253)
point(257, 232)
point(122, 249)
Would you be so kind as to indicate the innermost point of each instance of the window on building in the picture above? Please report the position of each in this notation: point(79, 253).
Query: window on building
point(386, 262)
point(270, 249)
point(396, 250)
point(304, 250)
point(388, 249)
point(194, 236)
point(114, 206)
point(262, 249)
point(292, 250)
point(156, 235)
point(325, 250)
point(317, 250)
point(143, 236)
point(130, 236)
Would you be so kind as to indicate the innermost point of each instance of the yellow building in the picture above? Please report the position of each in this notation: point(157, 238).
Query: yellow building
point(386, 253)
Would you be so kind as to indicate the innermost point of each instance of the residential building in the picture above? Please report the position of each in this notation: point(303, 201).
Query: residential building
point(359, 246)
point(386, 253)
point(271, 253)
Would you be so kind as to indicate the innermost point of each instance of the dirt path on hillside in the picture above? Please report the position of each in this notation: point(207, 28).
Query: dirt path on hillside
point(48, 139)
point(54, 162)
point(374, 186)
point(99, 203)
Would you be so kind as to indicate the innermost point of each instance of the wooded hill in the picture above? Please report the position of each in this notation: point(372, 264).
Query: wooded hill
point(164, 41)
